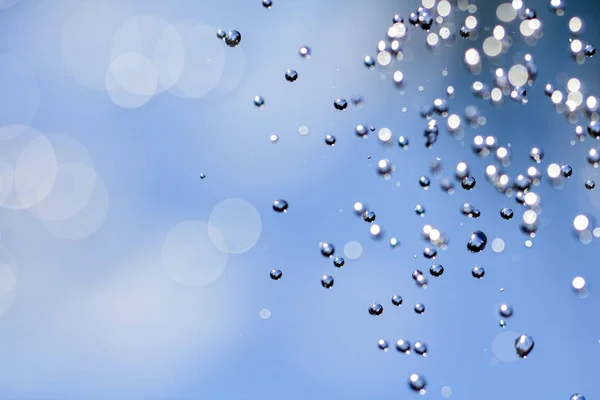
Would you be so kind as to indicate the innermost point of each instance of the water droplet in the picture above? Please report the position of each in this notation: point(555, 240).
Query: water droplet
point(477, 242)
point(502, 323)
point(267, 3)
point(589, 50)
point(420, 210)
point(221, 34)
point(478, 272)
point(369, 216)
point(330, 140)
point(429, 252)
point(403, 142)
point(202, 176)
point(593, 157)
point(274, 138)
point(280, 206)
point(233, 38)
point(385, 167)
point(276, 274)
point(394, 243)
point(417, 383)
point(424, 182)
point(506, 311)
point(577, 396)
point(338, 262)
point(370, 62)
point(590, 184)
point(536, 154)
point(361, 131)
point(524, 345)
point(464, 32)
point(403, 346)
point(436, 270)
point(419, 308)
point(566, 170)
point(340, 104)
point(291, 75)
point(397, 300)
point(506, 213)
point(419, 278)
point(382, 344)
point(398, 19)
point(529, 13)
point(327, 249)
point(327, 281)
point(376, 309)
point(468, 182)
point(305, 52)
point(420, 348)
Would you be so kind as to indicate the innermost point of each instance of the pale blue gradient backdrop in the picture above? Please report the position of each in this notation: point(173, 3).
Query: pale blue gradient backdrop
point(100, 319)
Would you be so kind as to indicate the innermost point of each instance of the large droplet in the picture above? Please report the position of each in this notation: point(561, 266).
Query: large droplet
point(397, 300)
point(327, 281)
point(382, 344)
point(233, 38)
point(436, 270)
point(340, 104)
point(376, 309)
point(276, 274)
point(506, 311)
point(477, 242)
point(417, 383)
point(403, 346)
point(524, 345)
point(280, 206)
point(291, 75)
point(419, 308)
point(478, 272)
point(420, 348)
point(338, 262)
point(506, 213)
point(327, 249)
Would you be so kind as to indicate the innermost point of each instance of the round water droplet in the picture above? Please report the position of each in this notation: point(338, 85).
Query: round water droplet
point(429, 252)
point(420, 210)
point(327, 281)
point(529, 13)
point(436, 270)
point(589, 50)
point(221, 34)
point(267, 3)
point(398, 19)
point(376, 309)
point(291, 75)
point(506, 213)
point(382, 344)
point(276, 274)
point(361, 131)
point(340, 104)
point(424, 182)
point(420, 348)
point(369, 62)
point(577, 396)
point(327, 249)
point(330, 140)
point(506, 311)
point(403, 346)
point(403, 142)
point(419, 278)
point(468, 182)
point(417, 382)
point(397, 300)
point(477, 242)
point(524, 345)
point(536, 154)
point(305, 52)
point(447, 186)
point(259, 101)
point(280, 206)
point(566, 170)
point(478, 272)
point(338, 262)
point(419, 308)
point(464, 32)
point(369, 216)
point(202, 176)
point(590, 184)
point(384, 167)
point(233, 38)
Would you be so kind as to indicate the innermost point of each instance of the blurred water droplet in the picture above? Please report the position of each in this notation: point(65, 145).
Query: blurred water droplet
point(267, 3)
point(382, 344)
point(305, 52)
point(221, 34)
point(420, 348)
point(505, 311)
point(259, 101)
point(420, 210)
point(202, 176)
point(403, 346)
point(577, 396)
point(417, 383)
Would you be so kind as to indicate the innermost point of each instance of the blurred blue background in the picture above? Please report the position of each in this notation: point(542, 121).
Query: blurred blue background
point(124, 275)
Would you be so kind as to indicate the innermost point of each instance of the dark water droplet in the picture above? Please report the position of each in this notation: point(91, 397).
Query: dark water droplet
point(376, 309)
point(276, 274)
point(330, 140)
point(267, 3)
point(327, 281)
point(327, 249)
point(506, 213)
point(419, 308)
point(280, 206)
point(340, 104)
point(233, 38)
point(477, 242)
point(403, 346)
point(397, 300)
point(339, 262)
point(478, 272)
point(524, 345)
point(436, 270)
point(291, 75)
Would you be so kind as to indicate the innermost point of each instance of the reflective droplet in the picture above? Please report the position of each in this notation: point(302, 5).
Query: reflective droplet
point(424, 182)
point(361, 131)
point(558, 7)
point(506, 213)
point(506, 311)
point(382, 344)
point(465, 32)
point(385, 167)
point(202, 176)
point(338, 262)
point(259, 101)
point(221, 34)
point(524, 345)
point(590, 184)
point(589, 50)
point(468, 182)
point(419, 308)
point(291, 75)
point(327, 281)
point(276, 274)
point(529, 13)
point(358, 101)
point(420, 348)
point(429, 252)
point(398, 19)
point(566, 170)
point(403, 142)
point(327, 249)
point(397, 300)
point(330, 140)
point(267, 3)
point(577, 396)
point(369, 62)
point(478, 272)
point(420, 210)
point(280, 206)
point(536, 154)
point(340, 104)
point(417, 383)
point(376, 309)
point(305, 52)
point(419, 278)
point(436, 270)
point(233, 38)
point(593, 129)
point(369, 216)
point(403, 346)
point(477, 242)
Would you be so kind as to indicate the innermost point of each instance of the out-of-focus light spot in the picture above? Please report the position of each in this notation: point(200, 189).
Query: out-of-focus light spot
point(131, 80)
point(353, 250)
point(518, 75)
point(236, 225)
point(506, 12)
point(581, 222)
point(575, 24)
point(446, 391)
point(498, 245)
point(265, 313)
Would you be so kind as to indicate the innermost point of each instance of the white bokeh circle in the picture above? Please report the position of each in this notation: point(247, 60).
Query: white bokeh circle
point(189, 255)
point(233, 72)
point(234, 226)
point(153, 37)
point(87, 37)
point(86, 221)
point(131, 80)
point(20, 94)
point(204, 60)
point(353, 250)
point(503, 346)
point(32, 159)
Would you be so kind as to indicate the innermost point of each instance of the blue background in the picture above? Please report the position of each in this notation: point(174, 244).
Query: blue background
point(99, 318)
